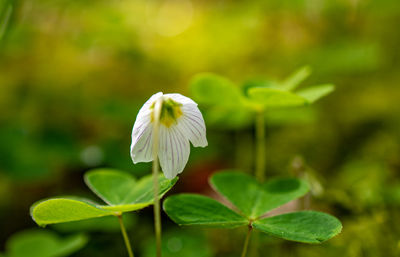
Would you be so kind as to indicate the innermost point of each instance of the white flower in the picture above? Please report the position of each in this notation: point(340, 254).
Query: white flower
point(180, 122)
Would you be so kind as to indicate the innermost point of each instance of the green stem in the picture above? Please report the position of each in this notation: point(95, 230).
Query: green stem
point(125, 236)
point(157, 215)
point(246, 242)
point(260, 142)
point(260, 159)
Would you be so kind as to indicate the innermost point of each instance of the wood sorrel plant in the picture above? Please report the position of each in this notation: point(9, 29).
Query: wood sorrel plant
point(254, 99)
point(120, 191)
point(42, 243)
point(252, 201)
point(162, 130)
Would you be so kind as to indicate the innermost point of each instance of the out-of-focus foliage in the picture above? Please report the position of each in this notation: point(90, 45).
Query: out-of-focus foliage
point(40, 243)
point(233, 107)
point(180, 243)
point(106, 224)
point(73, 75)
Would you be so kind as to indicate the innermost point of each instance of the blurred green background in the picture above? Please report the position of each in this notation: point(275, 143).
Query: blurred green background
point(73, 75)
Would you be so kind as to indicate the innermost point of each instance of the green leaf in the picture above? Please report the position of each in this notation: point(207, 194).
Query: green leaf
point(63, 210)
point(296, 78)
point(43, 243)
point(191, 209)
point(275, 98)
point(139, 196)
point(118, 189)
point(144, 192)
point(252, 198)
point(223, 117)
point(279, 191)
point(211, 89)
point(112, 186)
point(255, 83)
point(314, 93)
point(304, 226)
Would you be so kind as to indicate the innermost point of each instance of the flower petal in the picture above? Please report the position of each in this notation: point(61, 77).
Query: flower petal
point(180, 99)
point(192, 125)
point(174, 150)
point(141, 146)
point(151, 100)
point(141, 150)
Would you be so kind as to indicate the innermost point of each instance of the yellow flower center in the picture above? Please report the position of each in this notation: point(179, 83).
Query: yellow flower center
point(170, 112)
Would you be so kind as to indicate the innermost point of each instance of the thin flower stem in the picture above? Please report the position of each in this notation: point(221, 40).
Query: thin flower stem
point(246, 242)
point(260, 138)
point(157, 215)
point(125, 236)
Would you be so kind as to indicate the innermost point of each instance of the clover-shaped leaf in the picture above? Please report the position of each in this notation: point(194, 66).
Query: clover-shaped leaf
point(212, 89)
point(192, 209)
point(110, 185)
point(303, 226)
point(252, 201)
point(231, 117)
point(57, 210)
point(42, 243)
point(274, 97)
point(255, 199)
point(294, 80)
point(120, 191)
point(223, 97)
point(314, 93)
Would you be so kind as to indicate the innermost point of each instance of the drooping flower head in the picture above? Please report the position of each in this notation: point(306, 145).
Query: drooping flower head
point(180, 121)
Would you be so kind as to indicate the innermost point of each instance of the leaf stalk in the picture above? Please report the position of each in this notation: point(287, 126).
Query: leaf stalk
point(246, 241)
point(260, 144)
point(125, 236)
